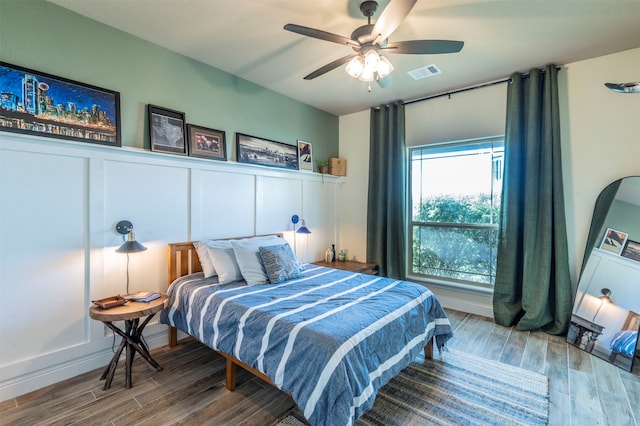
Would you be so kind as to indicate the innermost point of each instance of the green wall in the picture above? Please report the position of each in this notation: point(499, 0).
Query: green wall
point(42, 36)
point(623, 217)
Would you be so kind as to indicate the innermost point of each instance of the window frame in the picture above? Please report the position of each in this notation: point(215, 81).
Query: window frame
point(471, 286)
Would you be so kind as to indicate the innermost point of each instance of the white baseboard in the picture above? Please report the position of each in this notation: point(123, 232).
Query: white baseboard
point(476, 308)
point(460, 297)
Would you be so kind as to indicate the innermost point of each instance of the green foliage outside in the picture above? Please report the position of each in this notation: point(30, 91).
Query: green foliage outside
point(452, 208)
point(458, 252)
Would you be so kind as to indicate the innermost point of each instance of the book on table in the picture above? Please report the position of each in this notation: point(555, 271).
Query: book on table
point(142, 296)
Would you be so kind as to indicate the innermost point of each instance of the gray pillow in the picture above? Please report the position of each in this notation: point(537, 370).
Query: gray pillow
point(280, 263)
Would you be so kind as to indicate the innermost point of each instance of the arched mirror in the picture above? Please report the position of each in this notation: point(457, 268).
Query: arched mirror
point(605, 320)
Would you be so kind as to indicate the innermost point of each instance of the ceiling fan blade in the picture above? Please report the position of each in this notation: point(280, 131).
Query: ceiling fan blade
point(424, 47)
point(322, 35)
point(390, 19)
point(329, 67)
point(624, 87)
point(385, 82)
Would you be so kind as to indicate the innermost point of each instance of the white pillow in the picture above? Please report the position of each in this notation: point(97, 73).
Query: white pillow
point(205, 260)
point(248, 257)
point(224, 261)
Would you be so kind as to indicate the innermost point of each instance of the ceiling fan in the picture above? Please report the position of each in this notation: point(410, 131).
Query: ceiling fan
point(369, 41)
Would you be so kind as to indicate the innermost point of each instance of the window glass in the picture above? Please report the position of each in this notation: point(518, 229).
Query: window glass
point(455, 206)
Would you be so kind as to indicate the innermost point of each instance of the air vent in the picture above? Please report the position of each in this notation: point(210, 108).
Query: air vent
point(426, 71)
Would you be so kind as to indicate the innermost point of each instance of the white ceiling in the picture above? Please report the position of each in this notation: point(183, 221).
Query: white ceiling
point(246, 38)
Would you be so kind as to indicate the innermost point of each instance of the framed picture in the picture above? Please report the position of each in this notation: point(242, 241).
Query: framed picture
point(206, 143)
point(167, 130)
point(253, 150)
point(305, 161)
point(632, 250)
point(41, 104)
point(614, 241)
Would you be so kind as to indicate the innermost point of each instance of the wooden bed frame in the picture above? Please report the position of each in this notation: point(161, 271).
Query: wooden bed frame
point(183, 260)
point(631, 322)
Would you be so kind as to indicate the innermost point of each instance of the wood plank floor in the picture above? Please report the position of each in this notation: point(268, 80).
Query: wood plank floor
point(584, 390)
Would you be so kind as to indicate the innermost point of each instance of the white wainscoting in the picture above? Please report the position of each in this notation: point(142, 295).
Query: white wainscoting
point(59, 203)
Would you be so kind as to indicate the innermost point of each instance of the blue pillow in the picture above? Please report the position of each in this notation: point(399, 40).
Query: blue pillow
point(624, 342)
point(280, 263)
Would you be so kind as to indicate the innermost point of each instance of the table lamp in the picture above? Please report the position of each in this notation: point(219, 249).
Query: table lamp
point(604, 298)
point(302, 230)
point(125, 227)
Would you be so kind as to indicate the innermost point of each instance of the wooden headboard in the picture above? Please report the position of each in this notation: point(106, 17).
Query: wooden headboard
point(183, 260)
point(632, 321)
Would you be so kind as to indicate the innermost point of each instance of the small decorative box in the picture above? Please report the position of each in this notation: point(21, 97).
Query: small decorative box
point(110, 302)
point(337, 166)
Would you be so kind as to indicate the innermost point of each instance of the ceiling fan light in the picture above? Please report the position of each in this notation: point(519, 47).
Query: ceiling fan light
point(384, 67)
point(355, 66)
point(371, 59)
point(367, 74)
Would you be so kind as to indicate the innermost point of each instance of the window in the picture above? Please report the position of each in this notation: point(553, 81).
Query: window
point(455, 207)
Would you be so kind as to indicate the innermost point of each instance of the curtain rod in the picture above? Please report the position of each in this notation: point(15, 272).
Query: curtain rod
point(453, 92)
point(466, 89)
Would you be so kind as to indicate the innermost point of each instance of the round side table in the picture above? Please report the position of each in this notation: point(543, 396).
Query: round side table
point(132, 340)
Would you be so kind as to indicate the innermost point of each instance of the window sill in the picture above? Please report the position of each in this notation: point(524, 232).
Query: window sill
point(453, 285)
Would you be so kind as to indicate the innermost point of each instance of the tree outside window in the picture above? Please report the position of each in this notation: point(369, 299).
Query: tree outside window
point(455, 207)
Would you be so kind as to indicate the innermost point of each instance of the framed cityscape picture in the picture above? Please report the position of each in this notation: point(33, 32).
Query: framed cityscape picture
point(632, 250)
point(37, 103)
point(254, 150)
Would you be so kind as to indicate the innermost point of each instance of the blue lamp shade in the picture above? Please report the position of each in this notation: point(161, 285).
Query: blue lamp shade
point(303, 228)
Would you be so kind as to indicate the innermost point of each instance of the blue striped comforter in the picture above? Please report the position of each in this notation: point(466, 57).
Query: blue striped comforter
point(331, 338)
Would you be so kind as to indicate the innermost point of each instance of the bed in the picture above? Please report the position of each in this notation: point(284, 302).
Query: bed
point(624, 342)
point(329, 338)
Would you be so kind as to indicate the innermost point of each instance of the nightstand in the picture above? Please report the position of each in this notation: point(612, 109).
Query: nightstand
point(132, 340)
point(583, 333)
point(352, 266)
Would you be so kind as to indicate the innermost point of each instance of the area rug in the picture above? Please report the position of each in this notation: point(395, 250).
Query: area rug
point(460, 389)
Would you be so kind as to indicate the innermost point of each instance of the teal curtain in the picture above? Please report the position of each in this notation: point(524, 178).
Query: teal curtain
point(533, 288)
point(386, 217)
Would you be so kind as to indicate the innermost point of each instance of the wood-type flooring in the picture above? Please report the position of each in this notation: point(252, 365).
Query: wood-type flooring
point(190, 390)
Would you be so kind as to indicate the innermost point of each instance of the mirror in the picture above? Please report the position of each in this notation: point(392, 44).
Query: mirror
point(605, 320)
